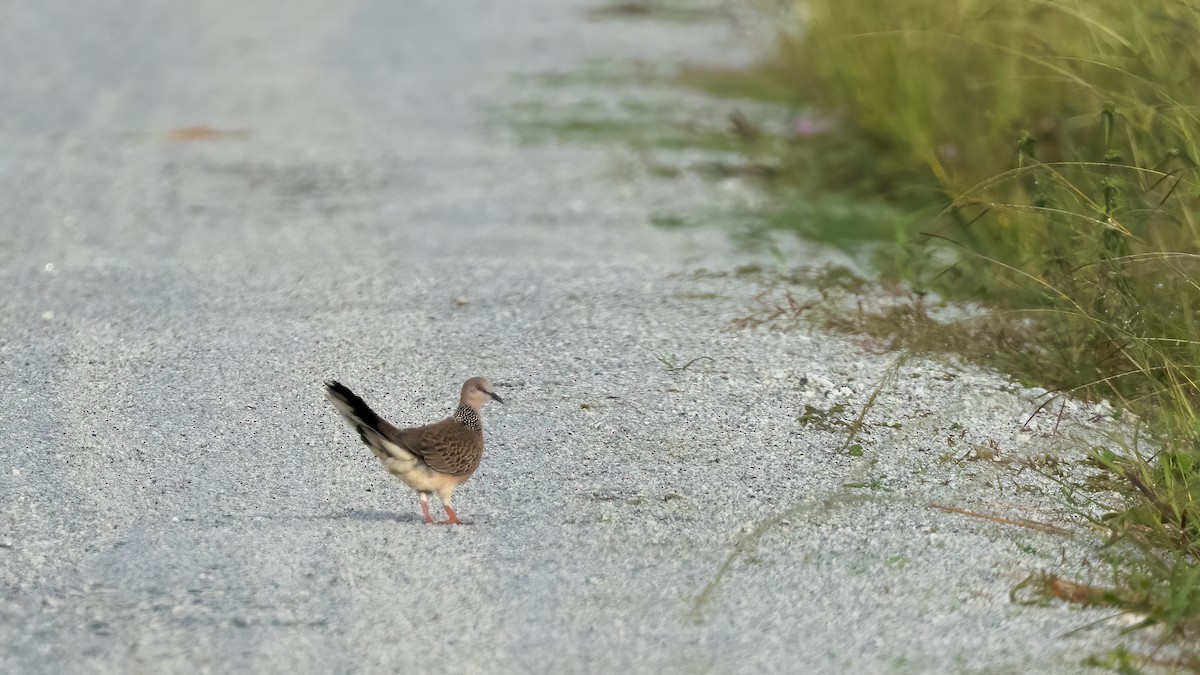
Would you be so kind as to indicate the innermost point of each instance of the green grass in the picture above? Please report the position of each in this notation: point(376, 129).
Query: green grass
point(659, 10)
point(675, 364)
point(668, 220)
point(1040, 156)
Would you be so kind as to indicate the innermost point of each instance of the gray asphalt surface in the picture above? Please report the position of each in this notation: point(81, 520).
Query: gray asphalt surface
point(176, 496)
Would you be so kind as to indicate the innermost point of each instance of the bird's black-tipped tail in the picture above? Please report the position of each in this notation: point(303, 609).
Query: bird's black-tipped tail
point(373, 430)
point(350, 405)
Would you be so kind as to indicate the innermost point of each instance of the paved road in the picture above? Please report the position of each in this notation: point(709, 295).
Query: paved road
point(175, 495)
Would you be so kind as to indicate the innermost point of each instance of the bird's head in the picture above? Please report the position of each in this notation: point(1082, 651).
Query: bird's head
point(476, 391)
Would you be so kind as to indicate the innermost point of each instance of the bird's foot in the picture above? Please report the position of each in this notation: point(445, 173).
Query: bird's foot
point(425, 510)
point(453, 517)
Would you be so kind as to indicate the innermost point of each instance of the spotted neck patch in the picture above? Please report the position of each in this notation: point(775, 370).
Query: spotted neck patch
point(467, 417)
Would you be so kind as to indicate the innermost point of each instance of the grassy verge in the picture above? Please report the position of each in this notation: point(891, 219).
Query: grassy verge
point(1039, 156)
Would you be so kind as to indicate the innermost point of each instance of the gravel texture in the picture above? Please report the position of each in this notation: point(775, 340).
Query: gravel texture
point(176, 495)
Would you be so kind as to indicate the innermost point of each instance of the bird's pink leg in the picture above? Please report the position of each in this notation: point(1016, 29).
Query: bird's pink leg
point(453, 516)
point(425, 510)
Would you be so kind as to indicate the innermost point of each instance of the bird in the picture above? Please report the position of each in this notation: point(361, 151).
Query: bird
point(431, 459)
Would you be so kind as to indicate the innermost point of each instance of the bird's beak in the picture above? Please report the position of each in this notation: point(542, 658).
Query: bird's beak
point(493, 395)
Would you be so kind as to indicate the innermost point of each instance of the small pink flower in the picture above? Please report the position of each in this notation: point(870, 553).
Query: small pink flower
point(807, 126)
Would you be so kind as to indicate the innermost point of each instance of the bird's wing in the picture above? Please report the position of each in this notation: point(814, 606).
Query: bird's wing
point(446, 446)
